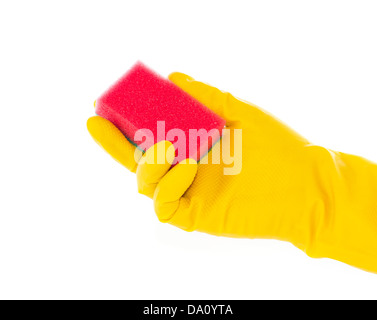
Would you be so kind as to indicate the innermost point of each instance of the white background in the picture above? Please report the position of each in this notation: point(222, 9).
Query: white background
point(72, 224)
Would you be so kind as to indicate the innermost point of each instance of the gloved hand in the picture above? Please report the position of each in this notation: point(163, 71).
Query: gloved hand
point(322, 201)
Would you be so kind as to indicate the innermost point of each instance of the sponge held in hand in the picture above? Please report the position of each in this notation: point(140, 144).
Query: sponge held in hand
point(143, 103)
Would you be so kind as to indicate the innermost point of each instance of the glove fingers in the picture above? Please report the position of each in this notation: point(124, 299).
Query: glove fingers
point(222, 103)
point(168, 194)
point(154, 164)
point(114, 142)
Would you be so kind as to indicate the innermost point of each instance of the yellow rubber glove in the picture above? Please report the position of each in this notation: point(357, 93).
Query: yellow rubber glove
point(324, 202)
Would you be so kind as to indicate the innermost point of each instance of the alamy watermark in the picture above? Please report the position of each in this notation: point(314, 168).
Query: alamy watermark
point(226, 146)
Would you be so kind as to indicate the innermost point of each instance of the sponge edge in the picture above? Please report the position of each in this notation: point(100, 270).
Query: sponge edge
point(143, 103)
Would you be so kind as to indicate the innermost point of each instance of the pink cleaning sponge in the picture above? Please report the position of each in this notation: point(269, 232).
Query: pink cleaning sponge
point(143, 102)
